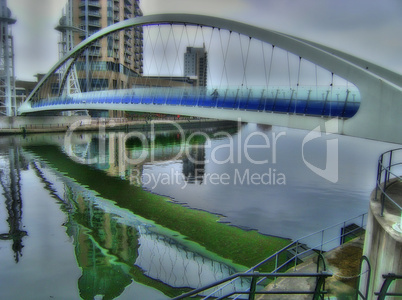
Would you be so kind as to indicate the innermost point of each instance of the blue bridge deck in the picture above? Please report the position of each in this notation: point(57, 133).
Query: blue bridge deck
point(324, 102)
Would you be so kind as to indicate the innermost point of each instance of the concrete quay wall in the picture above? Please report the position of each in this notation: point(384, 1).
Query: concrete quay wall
point(43, 124)
point(16, 124)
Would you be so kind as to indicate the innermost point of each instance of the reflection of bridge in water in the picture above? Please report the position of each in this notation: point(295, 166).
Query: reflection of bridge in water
point(123, 247)
point(255, 74)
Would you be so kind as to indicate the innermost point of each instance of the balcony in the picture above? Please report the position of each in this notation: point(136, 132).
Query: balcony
point(138, 50)
point(91, 13)
point(91, 23)
point(128, 9)
point(92, 3)
point(94, 53)
point(96, 44)
point(83, 33)
point(127, 35)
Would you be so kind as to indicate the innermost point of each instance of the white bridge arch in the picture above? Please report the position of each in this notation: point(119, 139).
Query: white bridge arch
point(380, 89)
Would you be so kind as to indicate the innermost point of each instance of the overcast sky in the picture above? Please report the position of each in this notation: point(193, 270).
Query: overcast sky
point(370, 29)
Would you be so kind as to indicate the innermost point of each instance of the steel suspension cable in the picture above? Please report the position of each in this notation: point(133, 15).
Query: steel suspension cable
point(298, 82)
point(224, 54)
point(332, 87)
point(159, 70)
point(290, 83)
point(316, 81)
point(188, 38)
point(177, 47)
point(208, 50)
point(244, 80)
point(164, 46)
point(153, 53)
point(298, 72)
point(160, 35)
point(195, 36)
point(270, 65)
point(264, 61)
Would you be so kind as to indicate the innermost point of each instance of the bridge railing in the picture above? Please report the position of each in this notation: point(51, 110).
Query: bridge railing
point(321, 101)
point(388, 174)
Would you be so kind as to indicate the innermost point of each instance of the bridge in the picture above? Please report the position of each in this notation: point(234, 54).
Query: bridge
point(254, 74)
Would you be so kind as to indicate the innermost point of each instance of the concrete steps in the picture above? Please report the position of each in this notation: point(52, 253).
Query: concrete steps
point(334, 285)
point(302, 251)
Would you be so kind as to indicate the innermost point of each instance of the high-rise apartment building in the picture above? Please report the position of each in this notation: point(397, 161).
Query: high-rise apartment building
point(111, 62)
point(195, 65)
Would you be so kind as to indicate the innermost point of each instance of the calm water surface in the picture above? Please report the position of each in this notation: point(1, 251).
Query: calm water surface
point(61, 240)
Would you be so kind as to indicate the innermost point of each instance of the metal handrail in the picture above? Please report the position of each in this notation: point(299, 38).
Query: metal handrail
point(298, 241)
point(386, 176)
point(324, 265)
point(254, 276)
point(364, 295)
point(388, 279)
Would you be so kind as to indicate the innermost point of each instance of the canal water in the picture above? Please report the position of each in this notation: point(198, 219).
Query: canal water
point(69, 231)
